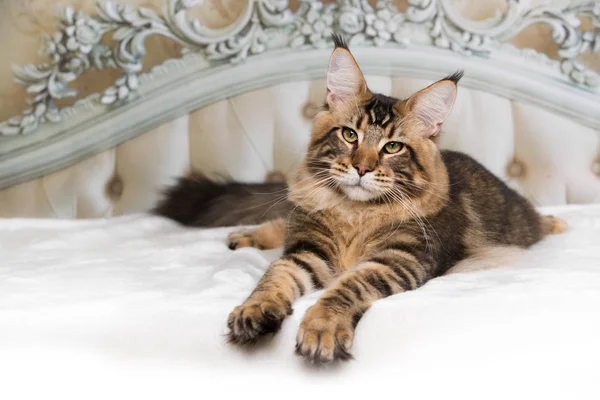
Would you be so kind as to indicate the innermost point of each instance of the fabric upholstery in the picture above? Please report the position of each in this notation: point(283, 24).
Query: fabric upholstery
point(550, 159)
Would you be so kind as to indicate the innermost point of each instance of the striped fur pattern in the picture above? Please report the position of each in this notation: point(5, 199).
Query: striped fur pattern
point(373, 219)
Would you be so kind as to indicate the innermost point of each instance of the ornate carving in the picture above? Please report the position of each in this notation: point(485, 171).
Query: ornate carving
point(269, 24)
point(313, 24)
point(365, 24)
point(78, 46)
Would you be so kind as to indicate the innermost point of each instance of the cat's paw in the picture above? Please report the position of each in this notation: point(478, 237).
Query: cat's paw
point(268, 235)
point(242, 238)
point(256, 318)
point(324, 337)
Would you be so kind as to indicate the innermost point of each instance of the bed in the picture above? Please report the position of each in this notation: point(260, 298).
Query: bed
point(99, 299)
point(87, 303)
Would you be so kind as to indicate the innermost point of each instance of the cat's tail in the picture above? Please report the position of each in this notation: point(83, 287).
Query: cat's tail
point(197, 201)
point(552, 225)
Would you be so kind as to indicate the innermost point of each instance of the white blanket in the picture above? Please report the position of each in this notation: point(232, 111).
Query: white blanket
point(135, 307)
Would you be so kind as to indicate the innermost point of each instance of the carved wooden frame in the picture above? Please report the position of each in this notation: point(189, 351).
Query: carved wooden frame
point(269, 44)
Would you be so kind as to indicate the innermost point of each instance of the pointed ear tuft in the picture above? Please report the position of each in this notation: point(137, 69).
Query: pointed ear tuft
point(345, 81)
point(339, 41)
point(429, 107)
point(455, 77)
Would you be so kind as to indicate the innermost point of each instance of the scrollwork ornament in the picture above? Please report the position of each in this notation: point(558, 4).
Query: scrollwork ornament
point(314, 24)
point(365, 24)
point(268, 17)
point(383, 24)
point(448, 29)
point(73, 49)
point(115, 38)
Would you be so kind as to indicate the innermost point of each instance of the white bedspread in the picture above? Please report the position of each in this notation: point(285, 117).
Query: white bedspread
point(135, 307)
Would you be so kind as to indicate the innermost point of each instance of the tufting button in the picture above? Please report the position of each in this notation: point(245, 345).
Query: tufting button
point(275, 177)
point(310, 110)
point(515, 169)
point(114, 188)
point(596, 168)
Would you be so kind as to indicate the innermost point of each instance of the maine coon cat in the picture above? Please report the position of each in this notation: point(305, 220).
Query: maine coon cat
point(375, 209)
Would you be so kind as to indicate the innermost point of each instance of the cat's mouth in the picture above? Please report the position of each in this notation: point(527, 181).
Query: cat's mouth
point(357, 188)
point(358, 192)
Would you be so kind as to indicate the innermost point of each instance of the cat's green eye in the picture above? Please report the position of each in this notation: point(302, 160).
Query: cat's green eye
point(349, 135)
point(393, 147)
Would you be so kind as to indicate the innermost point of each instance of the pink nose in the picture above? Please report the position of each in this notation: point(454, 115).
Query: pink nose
point(362, 170)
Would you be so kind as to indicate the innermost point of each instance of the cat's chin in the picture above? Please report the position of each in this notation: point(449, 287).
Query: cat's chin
point(359, 193)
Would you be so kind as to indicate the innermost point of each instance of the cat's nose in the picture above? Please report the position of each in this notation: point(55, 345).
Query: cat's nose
point(362, 169)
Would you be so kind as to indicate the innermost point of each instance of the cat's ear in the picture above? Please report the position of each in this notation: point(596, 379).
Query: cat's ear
point(345, 81)
point(429, 107)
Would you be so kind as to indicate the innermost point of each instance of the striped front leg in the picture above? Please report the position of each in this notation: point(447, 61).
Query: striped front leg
point(271, 301)
point(327, 330)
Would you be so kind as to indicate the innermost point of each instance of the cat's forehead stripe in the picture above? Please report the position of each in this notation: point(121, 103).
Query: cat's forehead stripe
point(373, 116)
point(381, 109)
point(362, 123)
point(386, 119)
point(390, 131)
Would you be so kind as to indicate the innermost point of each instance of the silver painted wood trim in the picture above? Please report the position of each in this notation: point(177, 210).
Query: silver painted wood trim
point(194, 86)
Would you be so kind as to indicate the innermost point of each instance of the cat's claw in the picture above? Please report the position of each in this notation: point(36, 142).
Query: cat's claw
point(323, 340)
point(241, 238)
point(253, 319)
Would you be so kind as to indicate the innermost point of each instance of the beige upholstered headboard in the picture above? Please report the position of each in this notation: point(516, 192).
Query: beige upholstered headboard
point(240, 103)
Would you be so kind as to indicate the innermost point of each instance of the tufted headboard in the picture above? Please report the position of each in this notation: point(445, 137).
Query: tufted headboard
point(239, 101)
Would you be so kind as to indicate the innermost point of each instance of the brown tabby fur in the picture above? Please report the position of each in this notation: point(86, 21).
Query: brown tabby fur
point(432, 210)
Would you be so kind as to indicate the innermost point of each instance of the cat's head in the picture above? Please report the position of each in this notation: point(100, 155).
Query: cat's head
point(368, 147)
